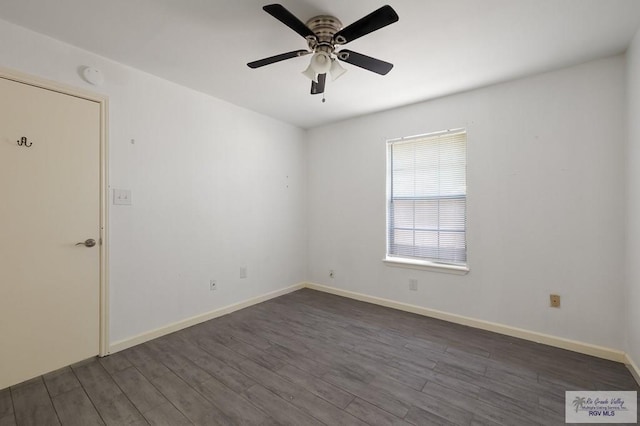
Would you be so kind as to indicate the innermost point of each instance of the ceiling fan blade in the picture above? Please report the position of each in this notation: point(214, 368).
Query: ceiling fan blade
point(277, 58)
point(289, 19)
point(364, 61)
point(374, 21)
point(317, 88)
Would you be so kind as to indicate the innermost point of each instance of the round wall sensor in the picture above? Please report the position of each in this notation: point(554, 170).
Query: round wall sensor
point(93, 76)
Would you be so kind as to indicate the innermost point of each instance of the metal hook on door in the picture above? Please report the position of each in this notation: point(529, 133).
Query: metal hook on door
point(23, 141)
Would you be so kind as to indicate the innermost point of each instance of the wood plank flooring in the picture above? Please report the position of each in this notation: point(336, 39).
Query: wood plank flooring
point(309, 358)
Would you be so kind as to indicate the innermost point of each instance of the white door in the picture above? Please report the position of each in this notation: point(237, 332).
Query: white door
point(49, 201)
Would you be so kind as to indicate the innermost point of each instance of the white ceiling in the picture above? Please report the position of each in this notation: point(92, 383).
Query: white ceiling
point(439, 47)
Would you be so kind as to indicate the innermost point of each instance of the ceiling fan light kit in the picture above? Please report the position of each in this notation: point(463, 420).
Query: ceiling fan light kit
point(320, 63)
point(324, 35)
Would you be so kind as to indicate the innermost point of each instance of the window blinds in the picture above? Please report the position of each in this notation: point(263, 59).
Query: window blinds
point(428, 198)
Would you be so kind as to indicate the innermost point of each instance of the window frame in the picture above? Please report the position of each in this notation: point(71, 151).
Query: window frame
point(412, 262)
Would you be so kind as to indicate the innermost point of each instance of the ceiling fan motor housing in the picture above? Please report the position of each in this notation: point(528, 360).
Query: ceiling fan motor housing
point(324, 27)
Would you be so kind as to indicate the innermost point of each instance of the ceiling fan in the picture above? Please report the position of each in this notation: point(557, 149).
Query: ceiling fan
point(324, 35)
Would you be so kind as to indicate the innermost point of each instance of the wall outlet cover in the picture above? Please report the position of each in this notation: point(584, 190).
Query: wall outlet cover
point(413, 284)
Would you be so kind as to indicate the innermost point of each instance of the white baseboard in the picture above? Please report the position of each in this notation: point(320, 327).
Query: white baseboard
point(559, 342)
point(176, 326)
point(633, 367)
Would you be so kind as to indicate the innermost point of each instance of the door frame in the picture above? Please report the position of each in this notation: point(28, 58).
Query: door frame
point(103, 102)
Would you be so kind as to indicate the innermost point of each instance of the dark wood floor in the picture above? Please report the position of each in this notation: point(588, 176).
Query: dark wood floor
point(310, 358)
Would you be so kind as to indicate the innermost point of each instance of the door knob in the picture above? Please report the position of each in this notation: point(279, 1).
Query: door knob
point(87, 243)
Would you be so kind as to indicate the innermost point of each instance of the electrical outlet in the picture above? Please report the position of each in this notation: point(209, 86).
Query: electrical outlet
point(413, 284)
point(331, 274)
point(554, 300)
point(243, 272)
point(212, 285)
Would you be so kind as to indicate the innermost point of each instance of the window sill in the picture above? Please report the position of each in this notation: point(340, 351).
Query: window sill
point(426, 266)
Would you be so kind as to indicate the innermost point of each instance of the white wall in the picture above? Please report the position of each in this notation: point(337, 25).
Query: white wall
point(633, 211)
point(214, 187)
point(545, 203)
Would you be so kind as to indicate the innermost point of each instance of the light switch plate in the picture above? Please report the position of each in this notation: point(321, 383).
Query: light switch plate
point(122, 197)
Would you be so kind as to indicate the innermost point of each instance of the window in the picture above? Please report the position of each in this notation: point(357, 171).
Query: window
point(427, 199)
